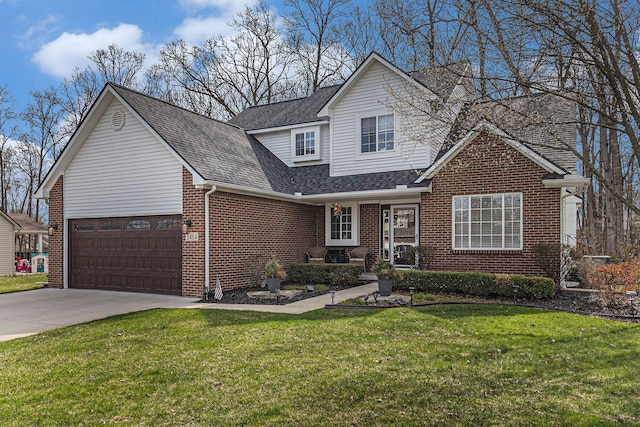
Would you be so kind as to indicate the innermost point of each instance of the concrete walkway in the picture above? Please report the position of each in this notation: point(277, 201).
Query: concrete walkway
point(40, 310)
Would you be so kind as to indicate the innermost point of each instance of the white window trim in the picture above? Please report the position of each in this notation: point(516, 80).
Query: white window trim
point(358, 135)
point(355, 226)
point(453, 223)
point(306, 157)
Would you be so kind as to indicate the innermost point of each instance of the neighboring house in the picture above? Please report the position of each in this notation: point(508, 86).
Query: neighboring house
point(31, 237)
point(8, 228)
point(386, 160)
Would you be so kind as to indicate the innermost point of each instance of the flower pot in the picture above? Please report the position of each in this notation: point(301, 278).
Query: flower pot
point(274, 284)
point(384, 287)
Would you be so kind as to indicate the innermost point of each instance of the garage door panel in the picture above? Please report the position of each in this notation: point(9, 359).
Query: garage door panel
point(130, 254)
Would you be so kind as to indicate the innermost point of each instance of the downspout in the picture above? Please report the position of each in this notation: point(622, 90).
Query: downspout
point(206, 237)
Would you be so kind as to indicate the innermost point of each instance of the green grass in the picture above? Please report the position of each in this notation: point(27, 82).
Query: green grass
point(439, 365)
point(21, 283)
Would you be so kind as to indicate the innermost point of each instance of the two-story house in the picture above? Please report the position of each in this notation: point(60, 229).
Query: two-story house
point(151, 197)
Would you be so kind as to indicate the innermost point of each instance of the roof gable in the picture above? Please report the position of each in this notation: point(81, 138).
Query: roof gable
point(373, 58)
point(6, 216)
point(446, 156)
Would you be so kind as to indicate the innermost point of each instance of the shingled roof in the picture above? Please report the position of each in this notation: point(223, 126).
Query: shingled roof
point(285, 113)
point(225, 153)
point(216, 150)
point(316, 180)
point(443, 79)
point(544, 123)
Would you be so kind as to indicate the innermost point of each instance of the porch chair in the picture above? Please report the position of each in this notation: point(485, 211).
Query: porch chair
point(359, 256)
point(316, 254)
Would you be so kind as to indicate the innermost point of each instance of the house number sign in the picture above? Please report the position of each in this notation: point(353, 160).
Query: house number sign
point(191, 237)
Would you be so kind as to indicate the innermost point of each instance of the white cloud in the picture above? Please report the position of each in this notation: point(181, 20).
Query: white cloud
point(60, 56)
point(195, 30)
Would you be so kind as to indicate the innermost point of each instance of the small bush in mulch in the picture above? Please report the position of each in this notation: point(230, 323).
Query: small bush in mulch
point(242, 296)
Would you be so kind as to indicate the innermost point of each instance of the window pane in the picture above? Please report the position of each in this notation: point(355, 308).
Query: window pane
point(368, 132)
point(310, 143)
point(299, 144)
point(138, 224)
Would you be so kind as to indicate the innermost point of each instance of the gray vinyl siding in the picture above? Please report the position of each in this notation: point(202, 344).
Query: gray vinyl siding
point(122, 173)
point(279, 143)
point(7, 247)
point(369, 94)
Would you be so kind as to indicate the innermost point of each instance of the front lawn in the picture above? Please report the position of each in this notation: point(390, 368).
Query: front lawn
point(23, 282)
point(438, 365)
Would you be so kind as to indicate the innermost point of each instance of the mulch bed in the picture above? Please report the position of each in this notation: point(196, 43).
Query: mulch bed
point(582, 303)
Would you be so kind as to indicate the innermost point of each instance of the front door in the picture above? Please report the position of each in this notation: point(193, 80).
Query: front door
point(399, 232)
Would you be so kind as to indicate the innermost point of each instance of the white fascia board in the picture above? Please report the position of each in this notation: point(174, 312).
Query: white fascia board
point(361, 70)
point(366, 195)
point(315, 199)
point(491, 128)
point(567, 181)
point(288, 127)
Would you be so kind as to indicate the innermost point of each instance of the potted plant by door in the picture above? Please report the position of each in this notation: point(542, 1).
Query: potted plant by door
point(386, 273)
point(274, 273)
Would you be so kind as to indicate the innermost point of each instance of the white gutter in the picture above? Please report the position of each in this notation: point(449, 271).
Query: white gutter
point(206, 236)
point(287, 127)
point(568, 181)
point(320, 198)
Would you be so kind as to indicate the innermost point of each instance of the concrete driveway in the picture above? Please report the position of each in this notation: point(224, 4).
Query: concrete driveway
point(31, 312)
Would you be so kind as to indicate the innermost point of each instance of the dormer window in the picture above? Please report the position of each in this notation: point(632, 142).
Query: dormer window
point(305, 144)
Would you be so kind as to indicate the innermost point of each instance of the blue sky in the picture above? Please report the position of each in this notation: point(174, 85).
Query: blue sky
point(42, 40)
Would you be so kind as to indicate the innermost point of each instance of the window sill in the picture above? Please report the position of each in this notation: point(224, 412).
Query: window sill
point(300, 159)
point(487, 251)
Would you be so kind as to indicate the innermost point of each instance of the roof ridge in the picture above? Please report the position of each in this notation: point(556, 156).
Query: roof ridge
point(302, 98)
point(118, 86)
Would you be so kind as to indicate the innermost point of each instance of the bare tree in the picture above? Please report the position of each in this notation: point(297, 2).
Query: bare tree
point(313, 32)
point(40, 145)
point(222, 77)
point(8, 129)
point(117, 65)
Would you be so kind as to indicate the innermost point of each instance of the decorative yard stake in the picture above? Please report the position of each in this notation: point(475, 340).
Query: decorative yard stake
point(333, 295)
point(412, 290)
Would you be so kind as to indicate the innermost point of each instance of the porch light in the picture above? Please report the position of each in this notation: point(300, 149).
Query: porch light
point(51, 229)
point(185, 226)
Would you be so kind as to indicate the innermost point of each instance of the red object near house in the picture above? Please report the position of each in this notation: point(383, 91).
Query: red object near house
point(24, 266)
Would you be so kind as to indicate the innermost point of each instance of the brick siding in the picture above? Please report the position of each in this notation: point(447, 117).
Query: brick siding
point(490, 166)
point(55, 276)
point(245, 232)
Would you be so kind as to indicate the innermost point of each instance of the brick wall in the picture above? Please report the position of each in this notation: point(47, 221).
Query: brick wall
point(245, 232)
point(193, 252)
point(56, 251)
point(486, 166)
point(370, 231)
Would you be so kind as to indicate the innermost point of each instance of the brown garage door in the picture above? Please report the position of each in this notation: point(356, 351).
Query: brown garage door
point(140, 254)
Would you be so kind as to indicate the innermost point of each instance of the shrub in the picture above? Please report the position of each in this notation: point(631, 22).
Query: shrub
point(328, 274)
point(620, 277)
point(553, 259)
point(584, 268)
point(477, 284)
point(421, 257)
